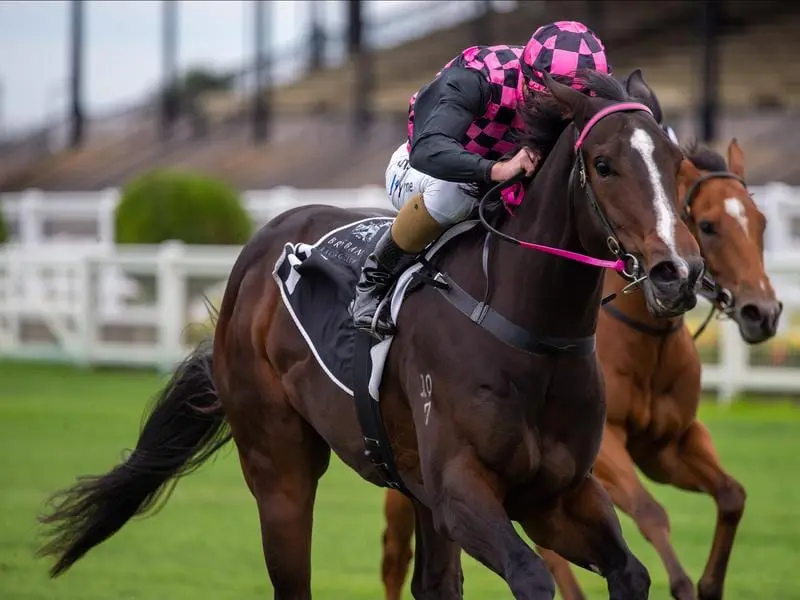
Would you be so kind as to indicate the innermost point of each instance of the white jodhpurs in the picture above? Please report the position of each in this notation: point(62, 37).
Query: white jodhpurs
point(445, 201)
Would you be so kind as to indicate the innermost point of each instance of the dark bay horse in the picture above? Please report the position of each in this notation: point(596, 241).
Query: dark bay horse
point(652, 375)
point(504, 434)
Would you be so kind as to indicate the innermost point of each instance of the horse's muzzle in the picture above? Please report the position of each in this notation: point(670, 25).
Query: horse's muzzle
point(757, 319)
point(671, 288)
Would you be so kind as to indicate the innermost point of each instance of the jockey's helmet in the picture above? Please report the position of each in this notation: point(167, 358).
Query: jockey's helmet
point(561, 49)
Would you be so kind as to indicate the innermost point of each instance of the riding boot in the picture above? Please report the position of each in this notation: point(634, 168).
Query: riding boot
point(412, 230)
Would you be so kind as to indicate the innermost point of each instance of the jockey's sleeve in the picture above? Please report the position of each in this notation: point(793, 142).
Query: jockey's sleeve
point(443, 111)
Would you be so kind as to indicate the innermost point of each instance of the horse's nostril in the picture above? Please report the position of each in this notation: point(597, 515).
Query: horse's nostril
point(664, 272)
point(750, 312)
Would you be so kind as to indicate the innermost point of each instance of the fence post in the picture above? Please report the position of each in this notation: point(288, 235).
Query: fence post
point(30, 218)
point(30, 236)
point(106, 211)
point(733, 359)
point(171, 302)
point(86, 315)
point(774, 200)
point(10, 331)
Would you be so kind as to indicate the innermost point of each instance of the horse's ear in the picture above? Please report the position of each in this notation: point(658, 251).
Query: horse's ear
point(637, 88)
point(574, 102)
point(688, 172)
point(736, 158)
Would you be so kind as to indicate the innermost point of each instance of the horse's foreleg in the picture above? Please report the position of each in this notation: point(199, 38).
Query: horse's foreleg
point(691, 463)
point(568, 585)
point(583, 528)
point(614, 468)
point(437, 565)
point(399, 513)
point(470, 507)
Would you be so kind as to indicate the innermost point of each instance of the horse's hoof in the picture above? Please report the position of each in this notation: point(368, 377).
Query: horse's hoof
point(706, 591)
point(683, 590)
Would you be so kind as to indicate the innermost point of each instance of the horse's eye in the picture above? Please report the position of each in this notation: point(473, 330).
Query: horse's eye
point(707, 227)
point(602, 167)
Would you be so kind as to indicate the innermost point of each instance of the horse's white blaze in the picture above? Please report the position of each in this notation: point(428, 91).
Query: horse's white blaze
point(735, 208)
point(666, 219)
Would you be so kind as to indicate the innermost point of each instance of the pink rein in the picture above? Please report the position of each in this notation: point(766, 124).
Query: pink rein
point(512, 195)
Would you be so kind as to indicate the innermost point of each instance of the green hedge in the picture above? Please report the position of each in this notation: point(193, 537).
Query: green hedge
point(176, 205)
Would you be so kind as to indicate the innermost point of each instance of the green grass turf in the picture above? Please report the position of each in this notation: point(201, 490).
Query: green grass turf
point(56, 423)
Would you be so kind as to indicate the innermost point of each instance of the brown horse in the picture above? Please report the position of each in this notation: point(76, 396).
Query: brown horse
point(496, 438)
point(652, 374)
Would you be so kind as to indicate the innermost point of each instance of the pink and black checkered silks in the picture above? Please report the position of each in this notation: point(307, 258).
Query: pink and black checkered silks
point(561, 48)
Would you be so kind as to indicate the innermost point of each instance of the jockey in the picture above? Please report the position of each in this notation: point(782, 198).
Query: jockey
point(459, 126)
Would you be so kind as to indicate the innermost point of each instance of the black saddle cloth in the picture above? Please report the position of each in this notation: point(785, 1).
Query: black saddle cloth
point(318, 283)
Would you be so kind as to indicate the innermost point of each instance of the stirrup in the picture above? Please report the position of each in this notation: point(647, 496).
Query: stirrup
point(380, 336)
point(391, 327)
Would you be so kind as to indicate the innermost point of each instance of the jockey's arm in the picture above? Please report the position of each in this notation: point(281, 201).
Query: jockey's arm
point(443, 112)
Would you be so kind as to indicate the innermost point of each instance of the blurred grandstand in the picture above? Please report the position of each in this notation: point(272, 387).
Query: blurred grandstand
point(758, 96)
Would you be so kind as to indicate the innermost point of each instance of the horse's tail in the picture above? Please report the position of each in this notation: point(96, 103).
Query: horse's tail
point(185, 426)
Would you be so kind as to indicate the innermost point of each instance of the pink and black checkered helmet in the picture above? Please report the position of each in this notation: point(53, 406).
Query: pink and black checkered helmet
point(561, 49)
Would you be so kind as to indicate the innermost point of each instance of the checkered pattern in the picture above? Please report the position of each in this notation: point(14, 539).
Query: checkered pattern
point(493, 134)
point(561, 49)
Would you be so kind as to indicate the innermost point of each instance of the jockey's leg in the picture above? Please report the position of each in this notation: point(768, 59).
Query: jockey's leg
point(412, 230)
point(427, 206)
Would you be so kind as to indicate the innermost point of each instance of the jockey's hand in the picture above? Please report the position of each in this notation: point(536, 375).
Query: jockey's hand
point(524, 160)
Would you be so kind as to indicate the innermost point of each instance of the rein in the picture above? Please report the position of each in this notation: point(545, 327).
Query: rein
point(626, 264)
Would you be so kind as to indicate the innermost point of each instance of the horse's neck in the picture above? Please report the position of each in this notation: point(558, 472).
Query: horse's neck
point(548, 294)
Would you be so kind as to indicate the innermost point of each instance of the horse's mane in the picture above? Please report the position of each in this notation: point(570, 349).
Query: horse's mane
point(703, 157)
point(544, 122)
point(544, 117)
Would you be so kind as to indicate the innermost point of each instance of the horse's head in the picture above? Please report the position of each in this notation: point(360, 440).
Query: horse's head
point(628, 170)
point(730, 229)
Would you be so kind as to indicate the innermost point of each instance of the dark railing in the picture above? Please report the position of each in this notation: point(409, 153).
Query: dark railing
point(321, 47)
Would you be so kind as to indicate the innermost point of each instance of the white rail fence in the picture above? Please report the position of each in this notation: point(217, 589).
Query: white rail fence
point(78, 222)
point(71, 324)
point(74, 298)
point(35, 216)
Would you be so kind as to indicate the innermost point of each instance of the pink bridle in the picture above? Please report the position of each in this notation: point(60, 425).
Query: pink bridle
point(619, 264)
point(608, 110)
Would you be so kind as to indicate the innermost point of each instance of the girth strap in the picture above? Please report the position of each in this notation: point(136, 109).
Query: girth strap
point(376, 441)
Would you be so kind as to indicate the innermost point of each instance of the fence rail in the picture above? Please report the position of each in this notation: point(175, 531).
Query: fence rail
point(68, 293)
point(35, 215)
point(64, 318)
